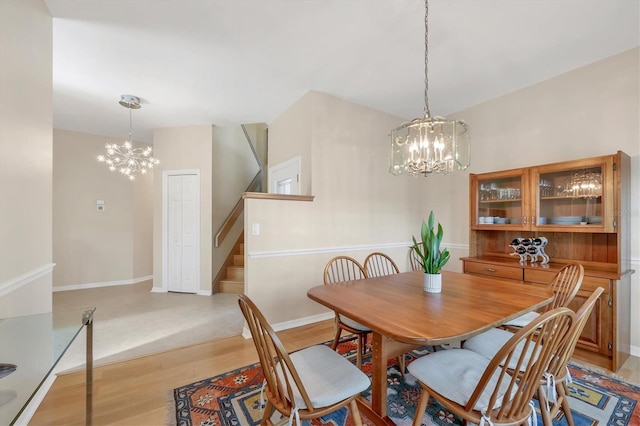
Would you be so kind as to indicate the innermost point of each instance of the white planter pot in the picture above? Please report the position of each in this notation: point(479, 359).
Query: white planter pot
point(432, 283)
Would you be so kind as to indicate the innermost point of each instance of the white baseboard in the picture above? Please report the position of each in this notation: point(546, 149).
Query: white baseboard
point(102, 284)
point(635, 351)
point(293, 323)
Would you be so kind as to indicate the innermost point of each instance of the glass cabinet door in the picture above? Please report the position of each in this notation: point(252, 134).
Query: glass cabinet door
point(571, 198)
point(499, 200)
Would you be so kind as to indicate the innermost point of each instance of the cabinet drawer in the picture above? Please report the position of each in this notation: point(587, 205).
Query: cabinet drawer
point(590, 284)
point(535, 276)
point(493, 270)
point(545, 277)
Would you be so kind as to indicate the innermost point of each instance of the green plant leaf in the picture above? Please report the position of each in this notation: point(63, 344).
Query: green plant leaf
point(428, 248)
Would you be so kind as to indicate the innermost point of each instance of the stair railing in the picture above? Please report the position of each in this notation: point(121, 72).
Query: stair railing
point(254, 186)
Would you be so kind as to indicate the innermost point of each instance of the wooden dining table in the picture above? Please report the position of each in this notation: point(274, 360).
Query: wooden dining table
point(402, 316)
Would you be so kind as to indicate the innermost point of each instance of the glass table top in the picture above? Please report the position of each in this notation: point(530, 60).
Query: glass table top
point(34, 344)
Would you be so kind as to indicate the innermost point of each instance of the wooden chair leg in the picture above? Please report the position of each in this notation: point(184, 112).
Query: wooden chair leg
point(357, 420)
point(266, 414)
point(402, 364)
point(334, 345)
point(361, 347)
point(421, 408)
point(563, 393)
point(543, 401)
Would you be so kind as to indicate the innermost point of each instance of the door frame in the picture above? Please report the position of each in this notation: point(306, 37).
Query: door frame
point(165, 223)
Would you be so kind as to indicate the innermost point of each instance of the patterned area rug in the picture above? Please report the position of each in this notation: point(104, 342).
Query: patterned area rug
point(234, 398)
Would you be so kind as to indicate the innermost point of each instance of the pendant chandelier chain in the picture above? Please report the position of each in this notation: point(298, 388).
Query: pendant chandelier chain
point(130, 126)
point(427, 113)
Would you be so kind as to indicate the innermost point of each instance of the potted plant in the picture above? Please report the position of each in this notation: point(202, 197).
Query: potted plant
point(430, 257)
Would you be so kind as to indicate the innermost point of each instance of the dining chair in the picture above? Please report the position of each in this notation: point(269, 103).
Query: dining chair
point(565, 285)
point(339, 269)
point(414, 260)
point(306, 384)
point(552, 390)
point(486, 391)
point(379, 264)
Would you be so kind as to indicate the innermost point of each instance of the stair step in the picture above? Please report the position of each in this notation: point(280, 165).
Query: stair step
point(230, 286)
point(242, 248)
point(238, 260)
point(235, 273)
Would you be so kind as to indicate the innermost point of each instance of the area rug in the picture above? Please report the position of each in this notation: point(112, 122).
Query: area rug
point(234, 398)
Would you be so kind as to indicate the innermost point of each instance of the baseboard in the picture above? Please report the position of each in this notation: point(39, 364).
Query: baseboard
point(293, 323)
point(635, 351)
point(199, 292)
point(102, 284)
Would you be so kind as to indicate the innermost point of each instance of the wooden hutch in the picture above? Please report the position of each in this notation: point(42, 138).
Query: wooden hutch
point(582, 208)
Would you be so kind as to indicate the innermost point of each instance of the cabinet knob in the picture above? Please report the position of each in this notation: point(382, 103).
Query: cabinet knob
point(524, 220)
point(489, 269)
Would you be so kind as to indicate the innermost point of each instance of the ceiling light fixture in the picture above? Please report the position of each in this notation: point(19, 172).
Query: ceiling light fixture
point(430, 144)
point(125, 158)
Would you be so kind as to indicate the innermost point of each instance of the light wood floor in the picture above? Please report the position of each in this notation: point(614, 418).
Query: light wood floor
point(135, 392)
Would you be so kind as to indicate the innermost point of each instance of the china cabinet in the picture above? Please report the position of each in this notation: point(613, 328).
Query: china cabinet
point(582, 209)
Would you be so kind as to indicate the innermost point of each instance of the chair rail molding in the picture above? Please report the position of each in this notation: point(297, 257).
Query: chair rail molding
point(13, 284)
point(342, 249)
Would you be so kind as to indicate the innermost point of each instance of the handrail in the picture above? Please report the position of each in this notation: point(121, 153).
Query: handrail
point(239, 207)
point(237, 210)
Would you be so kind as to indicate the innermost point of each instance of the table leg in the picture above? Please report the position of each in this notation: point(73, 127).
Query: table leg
point(379, 374)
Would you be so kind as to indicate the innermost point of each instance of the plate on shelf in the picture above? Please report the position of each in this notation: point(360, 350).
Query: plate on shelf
point(566, 220)
point(594, 219)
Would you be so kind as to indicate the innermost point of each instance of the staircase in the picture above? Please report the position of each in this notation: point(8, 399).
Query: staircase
point(234, 282)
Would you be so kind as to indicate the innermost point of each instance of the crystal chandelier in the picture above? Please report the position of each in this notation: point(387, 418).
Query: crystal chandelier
point(125, 158)
point(430, 144)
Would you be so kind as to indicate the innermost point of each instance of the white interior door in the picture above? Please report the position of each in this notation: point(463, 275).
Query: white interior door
point(183, 233)
point(284, 178)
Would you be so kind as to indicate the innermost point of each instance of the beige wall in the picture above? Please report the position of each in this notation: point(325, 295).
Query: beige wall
point(97, 248)
point(358, 206)
point(25, 157)
point(591, 111)
point(293, 131)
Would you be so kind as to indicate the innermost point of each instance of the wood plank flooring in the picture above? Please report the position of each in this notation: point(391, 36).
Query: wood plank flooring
point(136, 392)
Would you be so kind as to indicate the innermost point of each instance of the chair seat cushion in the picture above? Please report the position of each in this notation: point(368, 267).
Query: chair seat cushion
point(523, 320)
point(353, 324)
point(455, 373)
point(489, 343)
point(327, 376)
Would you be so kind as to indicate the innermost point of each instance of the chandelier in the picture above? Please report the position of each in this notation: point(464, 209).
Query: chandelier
point(430, 144)
point(125, 158)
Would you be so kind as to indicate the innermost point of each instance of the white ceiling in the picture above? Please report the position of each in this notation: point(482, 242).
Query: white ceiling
point(228, 62)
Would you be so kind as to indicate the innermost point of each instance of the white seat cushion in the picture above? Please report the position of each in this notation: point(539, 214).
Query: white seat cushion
point(327, 377)
point(489, 343)
point(523, 320)
point(353, 324)
point(455, 373)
